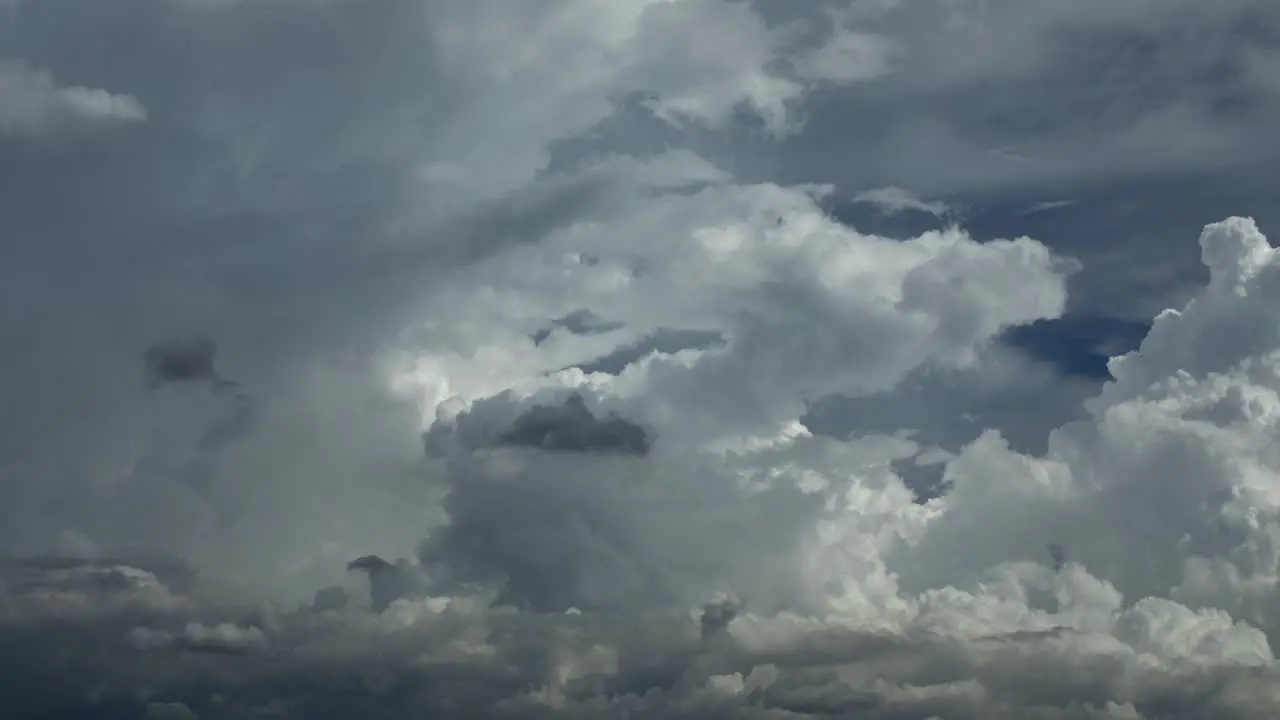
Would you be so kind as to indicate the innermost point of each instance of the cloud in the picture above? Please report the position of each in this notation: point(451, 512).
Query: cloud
point(986, 100)
point(808, 308)
point(572, 399)
point(578, 322)
point(664, 341)
point(572, 427)
point(850, 54)
point(196, 637)
point(892, 200)
point(388, 582)
point(34, 105)
point(183, 359)
point(862, 601)
point(1046, 205)
point(1127, 619)
point(452, 658)
point(1172, 404)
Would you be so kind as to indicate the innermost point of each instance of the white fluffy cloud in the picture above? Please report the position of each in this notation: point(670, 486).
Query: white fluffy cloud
point(1164, 482)
point(743, 567)
point(733, 485)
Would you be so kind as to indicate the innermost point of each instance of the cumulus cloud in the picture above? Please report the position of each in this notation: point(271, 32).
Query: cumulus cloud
point(553, 423)
point(1128, 571)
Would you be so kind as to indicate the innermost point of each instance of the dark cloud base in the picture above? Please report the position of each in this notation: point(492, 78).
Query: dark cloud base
point(572, 427)
point(469, 663)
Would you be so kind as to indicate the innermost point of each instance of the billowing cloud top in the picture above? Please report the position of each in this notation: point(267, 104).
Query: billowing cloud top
point(578, 388)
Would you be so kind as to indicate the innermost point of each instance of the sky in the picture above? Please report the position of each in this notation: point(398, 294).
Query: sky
point(749, 359)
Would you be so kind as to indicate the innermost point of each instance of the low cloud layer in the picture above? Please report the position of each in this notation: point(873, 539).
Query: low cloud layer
point(564, 389)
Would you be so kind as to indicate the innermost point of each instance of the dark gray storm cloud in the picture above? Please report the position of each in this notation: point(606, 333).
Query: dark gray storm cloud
point(716, 616)
point(572, 427)
point(453, 663)
point(388, 582)
point(181, 359)
point(1059, 556)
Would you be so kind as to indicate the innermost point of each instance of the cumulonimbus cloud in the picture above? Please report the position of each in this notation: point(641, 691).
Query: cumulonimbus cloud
point(861, 602)
point(621, 511)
